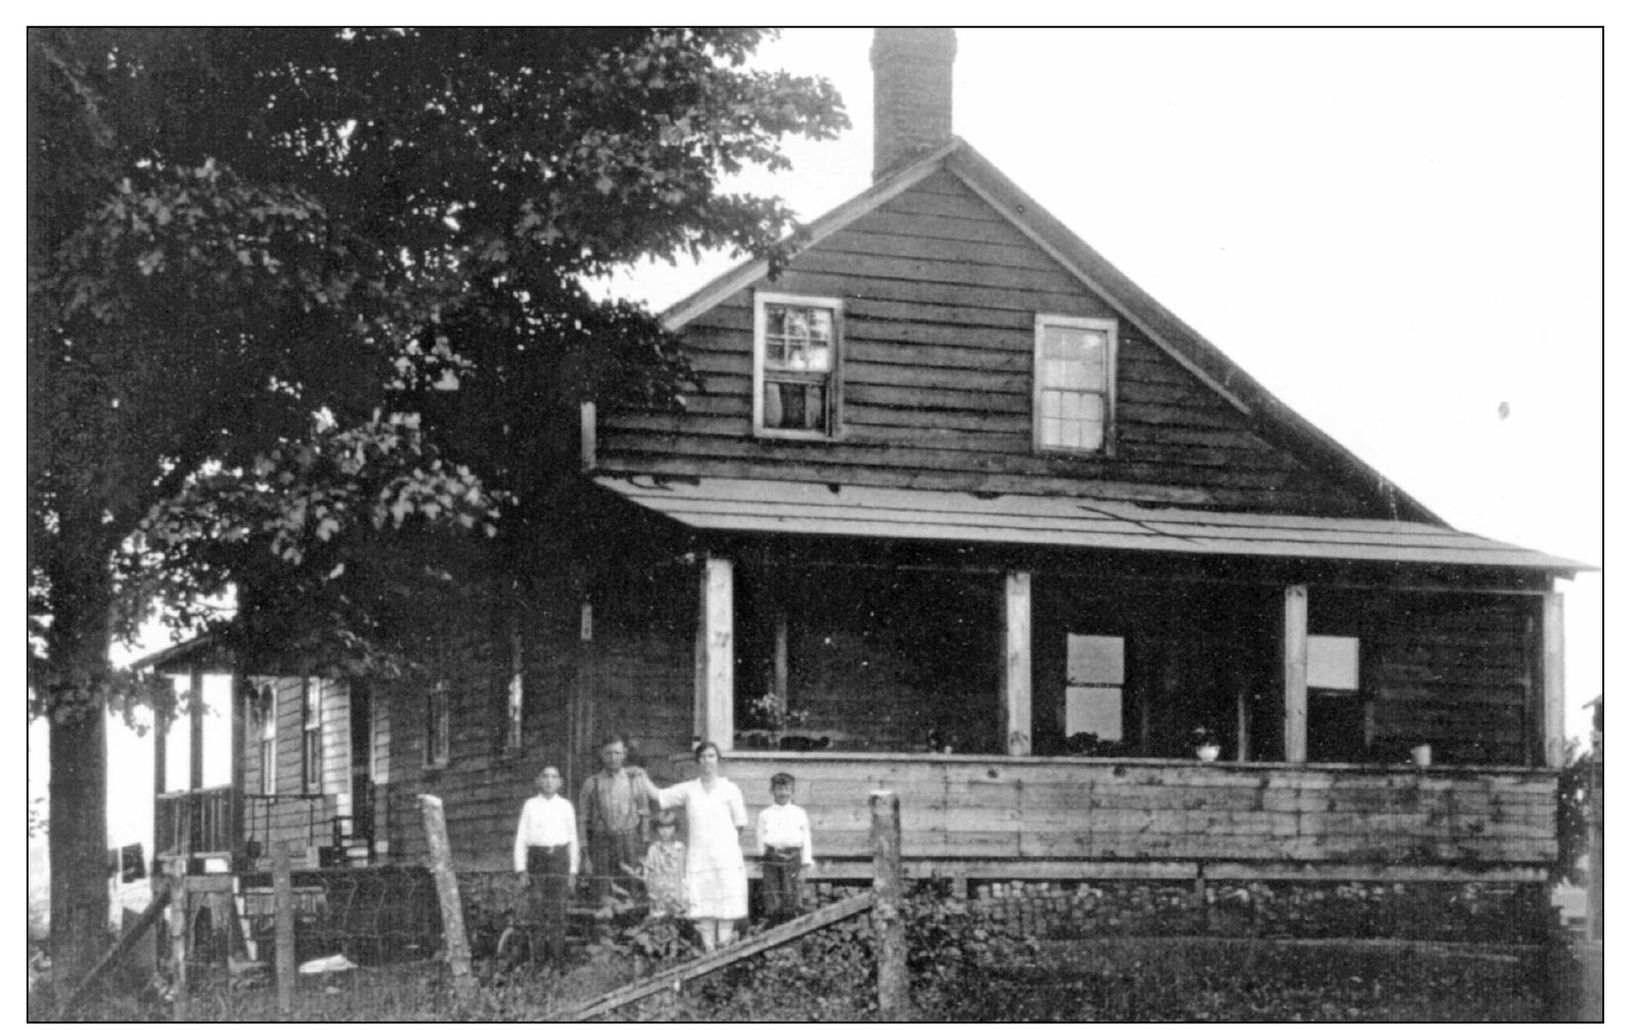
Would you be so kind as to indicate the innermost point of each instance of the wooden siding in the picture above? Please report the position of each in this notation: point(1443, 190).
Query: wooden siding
point(287, 817)
point(972, 809)
point(1453, 671)
point(940, 298)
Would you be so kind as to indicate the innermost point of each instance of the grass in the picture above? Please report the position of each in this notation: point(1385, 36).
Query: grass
point(1200, 980)
point(1126, 980)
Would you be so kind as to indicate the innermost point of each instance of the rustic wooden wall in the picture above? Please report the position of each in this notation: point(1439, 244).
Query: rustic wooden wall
point(289, 819)
point(1146, 810)
point(1453, 671)
point(940, 297)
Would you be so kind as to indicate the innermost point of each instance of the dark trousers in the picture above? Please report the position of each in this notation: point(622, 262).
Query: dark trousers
point(610, 853)
point(548, 871)
point(783, 885)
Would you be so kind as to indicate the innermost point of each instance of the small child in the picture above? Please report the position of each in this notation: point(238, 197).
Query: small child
point(783, 836)
point(664, 868)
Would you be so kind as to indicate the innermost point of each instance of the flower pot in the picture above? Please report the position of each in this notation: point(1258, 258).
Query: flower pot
point(1207, 752)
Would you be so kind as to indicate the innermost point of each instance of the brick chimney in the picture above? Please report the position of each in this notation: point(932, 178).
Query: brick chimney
point(911, 95)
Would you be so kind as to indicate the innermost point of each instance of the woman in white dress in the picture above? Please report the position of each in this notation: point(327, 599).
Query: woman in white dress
point(715, 872)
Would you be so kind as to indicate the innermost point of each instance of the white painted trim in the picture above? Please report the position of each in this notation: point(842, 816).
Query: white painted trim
point(833, 394)
point(1093, 285)
point(716, 683)
point(1016, 684)
point(1294, 648)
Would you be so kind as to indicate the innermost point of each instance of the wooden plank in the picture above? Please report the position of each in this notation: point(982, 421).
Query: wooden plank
point(1551, 679)
point(731, 953)
point(878, 309)
point(888, 888)
point(890, 237)
point(1055, 301)
point(1385, 872)
point(452, 911)
point(875, 268)
point(947, 228)
point(718, 653)
point(1016, 729)
point(283, 931)
point(963, 204)
point(127, 940)
point(1293, 649)
point(941, 377)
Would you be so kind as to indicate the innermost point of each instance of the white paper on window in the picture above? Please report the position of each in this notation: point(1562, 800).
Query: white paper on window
point(1095, 659)
point(1094, 710)
point(1332, 662)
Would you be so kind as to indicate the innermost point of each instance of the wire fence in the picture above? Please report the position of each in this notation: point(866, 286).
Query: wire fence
point(368, 942)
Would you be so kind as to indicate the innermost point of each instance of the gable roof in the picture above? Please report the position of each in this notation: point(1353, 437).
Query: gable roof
point(1269, 416)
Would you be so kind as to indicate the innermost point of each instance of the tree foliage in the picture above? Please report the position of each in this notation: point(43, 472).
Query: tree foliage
point(306, 306)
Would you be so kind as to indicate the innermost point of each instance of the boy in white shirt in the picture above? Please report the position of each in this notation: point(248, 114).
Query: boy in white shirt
point(546, 858)
point(787, 850)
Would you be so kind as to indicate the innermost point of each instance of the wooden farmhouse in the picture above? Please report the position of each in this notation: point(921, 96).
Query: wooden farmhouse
point(963, 512)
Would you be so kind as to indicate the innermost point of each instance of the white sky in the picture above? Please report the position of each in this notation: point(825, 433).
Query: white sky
point(1394, 230)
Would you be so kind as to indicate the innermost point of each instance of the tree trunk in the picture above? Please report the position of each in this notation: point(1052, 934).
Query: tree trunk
point(77, 838)
point(75, 684)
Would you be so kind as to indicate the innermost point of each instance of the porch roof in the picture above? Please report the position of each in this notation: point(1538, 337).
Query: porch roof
point(816, 509)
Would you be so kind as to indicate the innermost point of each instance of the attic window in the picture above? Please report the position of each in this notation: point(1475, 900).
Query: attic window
point(1074, 386)
point(795, 365)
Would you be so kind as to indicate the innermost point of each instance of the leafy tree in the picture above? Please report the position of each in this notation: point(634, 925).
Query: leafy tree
point(307, 306)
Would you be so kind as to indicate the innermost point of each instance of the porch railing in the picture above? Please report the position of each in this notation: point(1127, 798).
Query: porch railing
point(299, 820)
point(194, 822)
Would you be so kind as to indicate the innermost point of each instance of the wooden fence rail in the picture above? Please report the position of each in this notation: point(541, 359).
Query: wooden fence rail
point(893, 997)
point(671, 978)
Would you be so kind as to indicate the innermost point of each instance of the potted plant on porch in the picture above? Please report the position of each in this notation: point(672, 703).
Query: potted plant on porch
point(1206, 748)
point(767, 716)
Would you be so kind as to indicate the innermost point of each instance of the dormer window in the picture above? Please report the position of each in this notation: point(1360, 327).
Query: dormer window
point(796, 344)
point(1075, 384)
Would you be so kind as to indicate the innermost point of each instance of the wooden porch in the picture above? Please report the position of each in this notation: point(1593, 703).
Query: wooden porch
point(983, 817)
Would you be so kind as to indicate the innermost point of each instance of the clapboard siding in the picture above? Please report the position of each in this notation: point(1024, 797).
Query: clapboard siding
point(940, 298)
point(960, 809)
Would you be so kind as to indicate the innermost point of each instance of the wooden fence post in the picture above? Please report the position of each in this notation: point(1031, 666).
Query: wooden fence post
point(180, 930)
point(1595, 822)
point(283, 920)
point(452, 911)
point(893, 985)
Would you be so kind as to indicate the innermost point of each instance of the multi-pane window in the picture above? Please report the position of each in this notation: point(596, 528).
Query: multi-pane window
point(311, 736)
point(795, 364)
point(438, 737)
point(1074, 395)
point(268, 740)
point(1095, 676)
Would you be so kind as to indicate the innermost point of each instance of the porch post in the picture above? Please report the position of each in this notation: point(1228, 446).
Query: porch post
point(240, 735)
point(1552, 708)
point(715, 654)
point(195, 719)
point(1294, 649)
point(1016, 681)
